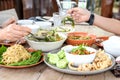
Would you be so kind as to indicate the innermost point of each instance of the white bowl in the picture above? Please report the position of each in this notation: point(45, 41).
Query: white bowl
point(25, 22)
point(44, 25)
point(112, 46)
point(34, 27)
point(46, 46)
point(79, 59)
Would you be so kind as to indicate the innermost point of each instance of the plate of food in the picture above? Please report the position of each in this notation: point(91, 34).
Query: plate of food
point(16, 56)
point(99, 40)
point(59, 62)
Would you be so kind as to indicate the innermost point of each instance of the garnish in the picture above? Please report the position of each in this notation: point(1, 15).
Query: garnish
point(70, 19)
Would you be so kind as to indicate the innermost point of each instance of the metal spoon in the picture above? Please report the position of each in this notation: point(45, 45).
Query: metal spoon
point(59, 5)
point(38, 37)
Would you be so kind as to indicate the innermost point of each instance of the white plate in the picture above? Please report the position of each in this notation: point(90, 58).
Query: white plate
point(78, 72)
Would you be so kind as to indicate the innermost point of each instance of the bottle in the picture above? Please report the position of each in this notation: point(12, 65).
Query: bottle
point(91, 5)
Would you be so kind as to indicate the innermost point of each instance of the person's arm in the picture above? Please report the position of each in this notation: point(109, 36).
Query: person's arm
point(108, 24)
point(9, 21)
point(83, 15)
point(13, 32)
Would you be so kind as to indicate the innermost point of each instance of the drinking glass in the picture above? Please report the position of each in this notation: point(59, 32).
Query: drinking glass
point(57, 19)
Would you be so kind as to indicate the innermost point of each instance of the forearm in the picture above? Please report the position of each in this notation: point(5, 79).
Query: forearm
point(107, 24)
point(1, 35)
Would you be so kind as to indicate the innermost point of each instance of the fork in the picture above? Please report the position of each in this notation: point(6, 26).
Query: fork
point(18, 41)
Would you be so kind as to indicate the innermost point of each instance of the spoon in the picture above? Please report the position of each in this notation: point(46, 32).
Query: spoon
point(59, 5)
point(38, 37)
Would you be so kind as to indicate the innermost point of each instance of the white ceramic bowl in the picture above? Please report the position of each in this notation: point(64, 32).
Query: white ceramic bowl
point(25, 22)
point(112, 46)
point(46, 46)
point(34, 27)
point(79, 59)
point(43, 25)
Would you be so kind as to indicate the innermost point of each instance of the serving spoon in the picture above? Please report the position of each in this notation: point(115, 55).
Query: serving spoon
point(39, 37)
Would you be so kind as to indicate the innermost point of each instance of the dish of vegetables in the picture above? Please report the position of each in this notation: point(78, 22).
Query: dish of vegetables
point(36, 57)
point(45, 36)
point(57, 61)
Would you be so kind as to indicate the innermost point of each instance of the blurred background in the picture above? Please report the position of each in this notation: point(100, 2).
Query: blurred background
point(31, 8)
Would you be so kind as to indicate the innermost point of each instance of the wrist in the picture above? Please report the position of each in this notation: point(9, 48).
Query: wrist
point(91, 19)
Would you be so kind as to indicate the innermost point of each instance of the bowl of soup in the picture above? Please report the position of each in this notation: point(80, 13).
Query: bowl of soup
point(79, 54)
point(51, 41)
point(78, 38)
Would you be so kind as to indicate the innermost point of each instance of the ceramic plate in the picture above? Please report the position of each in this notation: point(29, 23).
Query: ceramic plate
point(25, 66)
point(69, 71)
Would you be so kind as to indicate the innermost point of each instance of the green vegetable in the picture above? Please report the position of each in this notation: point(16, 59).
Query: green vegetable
point(81, 49)
point(53, 58)
point(61, 54)
point(58, 59)
point(62, 63)
point(2, 50)
point(48, 55)
point(34, 59)
point(70, 19)
point(50, 38)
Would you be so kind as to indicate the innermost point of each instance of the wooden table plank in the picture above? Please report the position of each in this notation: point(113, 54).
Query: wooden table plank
point(92, 29)
point(110, 76)
point(32, 73)
point(88, 77)
point(50, 74)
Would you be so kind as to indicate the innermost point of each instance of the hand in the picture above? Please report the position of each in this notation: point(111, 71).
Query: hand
point(13, 32)
point(79, 14)
point(9, 21)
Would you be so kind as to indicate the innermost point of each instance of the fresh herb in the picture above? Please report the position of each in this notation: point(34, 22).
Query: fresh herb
point(2, 50)
point(70, 19)
point(34, 59)
point(52, 36)
point(79, 50)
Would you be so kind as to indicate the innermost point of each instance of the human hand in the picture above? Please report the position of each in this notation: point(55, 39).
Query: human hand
point(79, 14)
point(13, 32)
point(9, 21)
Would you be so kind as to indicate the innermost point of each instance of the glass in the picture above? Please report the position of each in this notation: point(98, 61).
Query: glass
point(67, 4)
point(82, 3)
point(57, 19)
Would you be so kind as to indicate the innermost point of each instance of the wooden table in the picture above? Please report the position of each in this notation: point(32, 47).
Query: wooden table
point(43, 72)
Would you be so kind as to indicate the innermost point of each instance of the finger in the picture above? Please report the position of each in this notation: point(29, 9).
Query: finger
point(11, 38)
point(19, 33)
point(14, 35)
point(9, 21)
point(70, 11)
point(13, 29)
point(12, 20)
point(21, 28)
